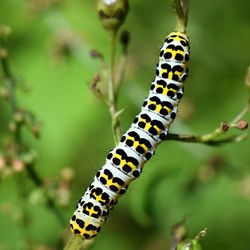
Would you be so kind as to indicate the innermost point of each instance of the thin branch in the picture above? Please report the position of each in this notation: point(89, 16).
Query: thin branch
point(77, 243)
point(22, 190)
point(243, 112)
point(202, 140)
point(212, 137)
point(124, 41)
point(116, 125)
point(181, 8)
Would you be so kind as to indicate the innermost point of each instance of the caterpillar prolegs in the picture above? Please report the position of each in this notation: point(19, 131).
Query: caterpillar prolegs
point(125, 162)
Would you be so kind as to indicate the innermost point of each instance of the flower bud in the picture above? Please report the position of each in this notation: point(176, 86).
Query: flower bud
point(189, 245)
point(29, 157)
point(96, 54)
point(192, 244)
point(18, 165)
point(4, 31)
point(242, 125)
point(67, 174)
point(12, 126)
point(3, 53)
point(96, 79)
point(36, 129)
point(224, 126)
point(112, 13)
point(4, 92)
point(18, 116)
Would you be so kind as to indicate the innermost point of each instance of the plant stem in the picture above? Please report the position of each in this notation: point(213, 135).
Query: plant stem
point(243, 112)
point(77, 243)
point(116, 126)
point(208, 139)
point(120, 80)
point(25, 220)
point(74, 243)
point(181, 10)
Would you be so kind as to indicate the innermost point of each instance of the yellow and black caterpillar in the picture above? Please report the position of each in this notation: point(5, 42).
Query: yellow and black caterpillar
point(125, 162)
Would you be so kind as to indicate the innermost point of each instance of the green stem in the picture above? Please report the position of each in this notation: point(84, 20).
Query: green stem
point(243, 112)
point(181, 9)
point(123, 64)
point(77, 243)
point(116, 126)
point(74, 243)
point(208, 139)
point(22, 189)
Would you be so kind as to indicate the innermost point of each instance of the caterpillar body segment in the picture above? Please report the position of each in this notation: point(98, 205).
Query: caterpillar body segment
point(171, 70)
point(113, 179)
point(84, 225)
point(151, 123)
point(98, 192)
point(160, 105)
point(125, 162)
point(166, 87)
point(140, 142)
point(94, 209)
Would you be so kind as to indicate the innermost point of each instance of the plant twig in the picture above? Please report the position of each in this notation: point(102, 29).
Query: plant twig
point(212, 137)
point(23, 206)
point(116, 126)
point(243, 112)
point(77, 243)
point(204, 140)
point(181, 10)
point(124, 41)
point(114, 83)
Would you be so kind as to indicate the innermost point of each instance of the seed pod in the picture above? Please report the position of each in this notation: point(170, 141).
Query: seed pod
point(112, 13)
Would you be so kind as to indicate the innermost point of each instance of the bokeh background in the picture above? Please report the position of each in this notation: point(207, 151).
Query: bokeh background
point(208, 186)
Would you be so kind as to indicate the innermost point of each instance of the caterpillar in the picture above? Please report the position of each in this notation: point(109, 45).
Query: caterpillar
point(125, 162)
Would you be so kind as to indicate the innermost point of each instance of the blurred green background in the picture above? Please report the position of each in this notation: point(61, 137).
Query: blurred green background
point(210, 187)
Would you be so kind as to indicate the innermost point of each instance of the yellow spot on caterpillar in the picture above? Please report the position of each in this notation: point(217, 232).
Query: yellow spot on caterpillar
point(136, 143)
point(98, 198)
point(91, 211)
point(123, 162)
